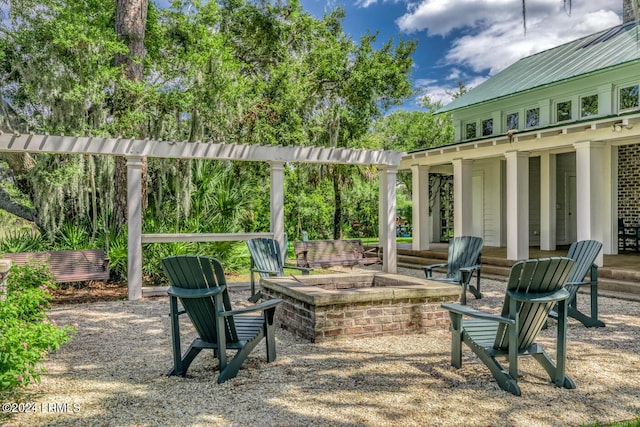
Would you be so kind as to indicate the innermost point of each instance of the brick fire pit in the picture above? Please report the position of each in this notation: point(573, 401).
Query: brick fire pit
point(331, 306)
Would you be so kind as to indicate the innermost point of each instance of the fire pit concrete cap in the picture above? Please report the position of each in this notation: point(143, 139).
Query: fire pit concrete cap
point(341, 288)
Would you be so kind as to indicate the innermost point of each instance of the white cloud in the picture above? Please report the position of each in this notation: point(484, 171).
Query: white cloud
point(502, 43)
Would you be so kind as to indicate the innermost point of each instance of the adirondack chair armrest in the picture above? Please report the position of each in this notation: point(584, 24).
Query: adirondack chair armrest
point(194, 293)
point(304, 270)
point(464, 310)
point(559, 295)
point(269, 272)
point(467, 272)
point(470, 269)
point(429, 268)
point(593, 278)
point(263, 306)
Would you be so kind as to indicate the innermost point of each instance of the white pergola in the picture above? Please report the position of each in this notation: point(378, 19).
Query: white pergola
point(136, 150)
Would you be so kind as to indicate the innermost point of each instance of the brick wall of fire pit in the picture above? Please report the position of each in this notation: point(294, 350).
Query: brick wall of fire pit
point(328, 307)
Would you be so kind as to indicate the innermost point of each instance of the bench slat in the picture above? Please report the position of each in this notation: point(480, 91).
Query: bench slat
point(328, 253)
point(68, 266)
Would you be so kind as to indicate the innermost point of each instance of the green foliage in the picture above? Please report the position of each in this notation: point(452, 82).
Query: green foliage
point(236, 71)
point(27, 334)
point(73, 236)
point(22, 241)
point(118, 253)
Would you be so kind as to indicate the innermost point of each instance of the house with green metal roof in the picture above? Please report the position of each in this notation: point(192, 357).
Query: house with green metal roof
point(546, 152)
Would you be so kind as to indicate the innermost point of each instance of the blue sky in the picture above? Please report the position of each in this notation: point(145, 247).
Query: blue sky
point(470, 40)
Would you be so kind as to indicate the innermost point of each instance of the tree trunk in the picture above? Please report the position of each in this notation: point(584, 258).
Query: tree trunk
point(131, 20)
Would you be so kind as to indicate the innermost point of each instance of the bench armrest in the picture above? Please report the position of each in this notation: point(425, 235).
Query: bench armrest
point(464, 310)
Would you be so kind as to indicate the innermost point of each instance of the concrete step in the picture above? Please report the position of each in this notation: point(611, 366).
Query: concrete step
point(611, 282)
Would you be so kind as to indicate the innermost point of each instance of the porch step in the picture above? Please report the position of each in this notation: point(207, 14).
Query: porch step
point(612, 282)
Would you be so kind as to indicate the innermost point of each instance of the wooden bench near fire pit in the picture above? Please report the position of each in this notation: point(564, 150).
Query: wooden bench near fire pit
point(329, 253)
point(68, 266)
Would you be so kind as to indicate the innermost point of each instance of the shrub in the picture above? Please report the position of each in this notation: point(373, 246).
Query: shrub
point(27, 335)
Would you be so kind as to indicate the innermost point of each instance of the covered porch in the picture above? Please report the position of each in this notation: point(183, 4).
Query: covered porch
point(542, 188)
point(618, 276)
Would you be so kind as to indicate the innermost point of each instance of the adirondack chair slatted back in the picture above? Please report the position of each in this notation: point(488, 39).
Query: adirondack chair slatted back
point(464, 251)
point(266, 255)
point(535, 276)
point(200, 272)
point(584, 254)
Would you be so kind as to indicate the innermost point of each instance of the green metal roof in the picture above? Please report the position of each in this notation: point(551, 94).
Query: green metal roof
point(608, 48)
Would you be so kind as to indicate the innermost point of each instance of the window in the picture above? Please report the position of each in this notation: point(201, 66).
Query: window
point(629, 98)
point(589, 106)
point(487, 127)
point(533, 117)
point(564, 111)
point(512, 121)
point(470, 130)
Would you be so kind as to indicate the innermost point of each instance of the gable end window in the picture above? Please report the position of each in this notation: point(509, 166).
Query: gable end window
point(589, 106)
point(487, 127)
point(628, 98)
point(533, 117)
point(563, 110)
point(470, 131)
point(512, 121)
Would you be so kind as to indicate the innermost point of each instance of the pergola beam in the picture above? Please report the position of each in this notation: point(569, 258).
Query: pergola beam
point(194, 150)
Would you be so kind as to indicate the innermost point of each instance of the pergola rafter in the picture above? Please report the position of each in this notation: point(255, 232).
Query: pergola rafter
point(135, 150)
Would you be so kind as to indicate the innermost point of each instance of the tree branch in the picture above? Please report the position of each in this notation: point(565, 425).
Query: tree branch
point(17, 209)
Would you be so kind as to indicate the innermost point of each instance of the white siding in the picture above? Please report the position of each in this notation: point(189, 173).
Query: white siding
point(566, 166)
point(490, 170)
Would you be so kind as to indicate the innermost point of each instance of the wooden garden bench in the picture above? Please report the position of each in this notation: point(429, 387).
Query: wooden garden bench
point(68, 266)
point(329, 253)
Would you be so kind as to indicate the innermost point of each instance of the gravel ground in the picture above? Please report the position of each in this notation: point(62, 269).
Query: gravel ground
point(113, 374)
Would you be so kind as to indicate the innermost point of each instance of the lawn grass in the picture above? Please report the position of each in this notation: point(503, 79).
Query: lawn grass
point(632, 423)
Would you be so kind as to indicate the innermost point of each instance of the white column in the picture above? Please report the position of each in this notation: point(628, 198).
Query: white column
point(277, 202)
point(134, 227)
point(420, 207)
point(548, 202)
point(590, 204)
point(387, 218)
point(610, 200)
point(517, 205)
point(462, 197)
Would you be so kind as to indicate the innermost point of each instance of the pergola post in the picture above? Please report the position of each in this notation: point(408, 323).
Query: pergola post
point(134, 227)
point(420, 208)
point(387, 218)
point(277, 203)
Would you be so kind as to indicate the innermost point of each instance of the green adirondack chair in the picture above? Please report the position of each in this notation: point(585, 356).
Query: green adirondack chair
point(534, 286)
point(584, 254)
point(199, 283)
point(267, 261)
point(463, 259)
